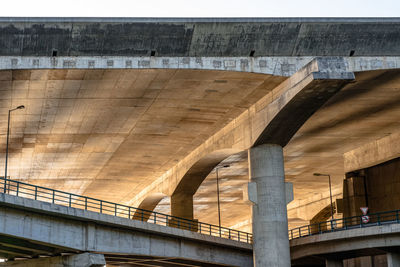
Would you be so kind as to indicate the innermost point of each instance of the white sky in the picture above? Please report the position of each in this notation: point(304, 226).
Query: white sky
point(200, 8)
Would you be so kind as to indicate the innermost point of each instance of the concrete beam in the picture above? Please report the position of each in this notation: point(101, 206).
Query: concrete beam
point(278, 65)
point(201, 36)
point(78, 230)
point(342, 243)
point(269, 120)
point(78, 260)
point(374, 153)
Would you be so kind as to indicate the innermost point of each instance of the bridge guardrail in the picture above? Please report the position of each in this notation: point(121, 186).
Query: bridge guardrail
point(380, 218)
point(21, 189)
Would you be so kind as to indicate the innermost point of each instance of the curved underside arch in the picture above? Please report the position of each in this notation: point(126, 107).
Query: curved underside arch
point(147, 206)
point(182, 197)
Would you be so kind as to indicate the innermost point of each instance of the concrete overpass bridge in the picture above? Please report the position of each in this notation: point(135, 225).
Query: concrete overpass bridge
point(143, 111)
point(38, 224)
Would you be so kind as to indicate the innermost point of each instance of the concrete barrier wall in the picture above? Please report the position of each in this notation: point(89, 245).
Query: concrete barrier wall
point(79, 230)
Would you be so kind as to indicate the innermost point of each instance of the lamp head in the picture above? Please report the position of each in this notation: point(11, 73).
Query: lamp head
point(226, 166)
point(20, 107)
point(320, 174)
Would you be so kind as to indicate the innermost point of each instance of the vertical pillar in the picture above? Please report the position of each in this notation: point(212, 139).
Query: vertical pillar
point(182, 207)
point(334, 263)
point(393, 259)
point(270, 224)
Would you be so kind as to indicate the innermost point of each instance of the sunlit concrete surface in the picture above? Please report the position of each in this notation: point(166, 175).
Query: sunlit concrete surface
point(110, 133)
point(108, 118)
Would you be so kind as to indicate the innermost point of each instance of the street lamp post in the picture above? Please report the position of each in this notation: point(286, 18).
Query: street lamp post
point(8, 134)
point(219, 208)
point(330, 189)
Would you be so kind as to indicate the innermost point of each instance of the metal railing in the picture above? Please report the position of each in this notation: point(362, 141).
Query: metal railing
point(40, 193)
point(374, 219)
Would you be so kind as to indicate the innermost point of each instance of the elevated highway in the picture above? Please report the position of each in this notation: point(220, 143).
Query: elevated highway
point(142, 112)
point(30, 228)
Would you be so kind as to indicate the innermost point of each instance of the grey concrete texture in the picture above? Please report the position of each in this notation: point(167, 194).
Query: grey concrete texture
point(270, 224)
point(79, 230)
point(199, 37)
point(347, 244)
point(393, 259)
point(78, 260)
point(313, 86)
point(334, 263)
point(275, 65)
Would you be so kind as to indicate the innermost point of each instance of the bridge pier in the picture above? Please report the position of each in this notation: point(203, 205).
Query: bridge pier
point(78, 260)
point(334, 263)
point(270, 224)
point(393, 259)
point(182, 207)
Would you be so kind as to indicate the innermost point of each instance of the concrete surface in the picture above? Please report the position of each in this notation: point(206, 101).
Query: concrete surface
point(373, 153)
point(347, 244)
point(276, 65)
point(69, 124)
point(118, 110)
point(200, 37)
point(334, 263)
point(84, 231)
point(393, 260)
point(78, 260)
point(270, 235)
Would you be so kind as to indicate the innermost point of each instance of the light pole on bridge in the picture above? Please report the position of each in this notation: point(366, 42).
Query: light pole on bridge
point(8, 134)
point(219, 208)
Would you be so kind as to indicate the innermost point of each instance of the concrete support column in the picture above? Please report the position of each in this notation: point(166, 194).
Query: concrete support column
point(270, 225)
point(78, 260)
point(334, 263)
point(182, 207)
point(393, 259)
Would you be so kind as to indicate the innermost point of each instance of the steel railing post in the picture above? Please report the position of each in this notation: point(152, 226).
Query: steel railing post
point(129, 212)
point(101, 206)
point(53, 196)
point(70, 200)
point(17, 189)
point(85, 203)
point(35, 192)
point(115, 207)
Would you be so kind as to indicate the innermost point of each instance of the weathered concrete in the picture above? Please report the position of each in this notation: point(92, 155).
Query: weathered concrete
point(79, 260)
point(346, 244)
point(200, 36)
point(270, 235)
point(373, 153)
point(317, 81)
point(80, 230)
point(375, 187)
point(334, 263)
point(393, 259)
point(277, 65)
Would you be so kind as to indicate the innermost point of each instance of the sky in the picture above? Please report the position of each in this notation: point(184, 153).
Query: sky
point(200, 8)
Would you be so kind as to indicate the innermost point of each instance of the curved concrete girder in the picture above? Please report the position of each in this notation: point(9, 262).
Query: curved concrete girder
point(322, 216)
point(295, 106)
point(147, 206)
point(182, 197)
point(319, 80)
